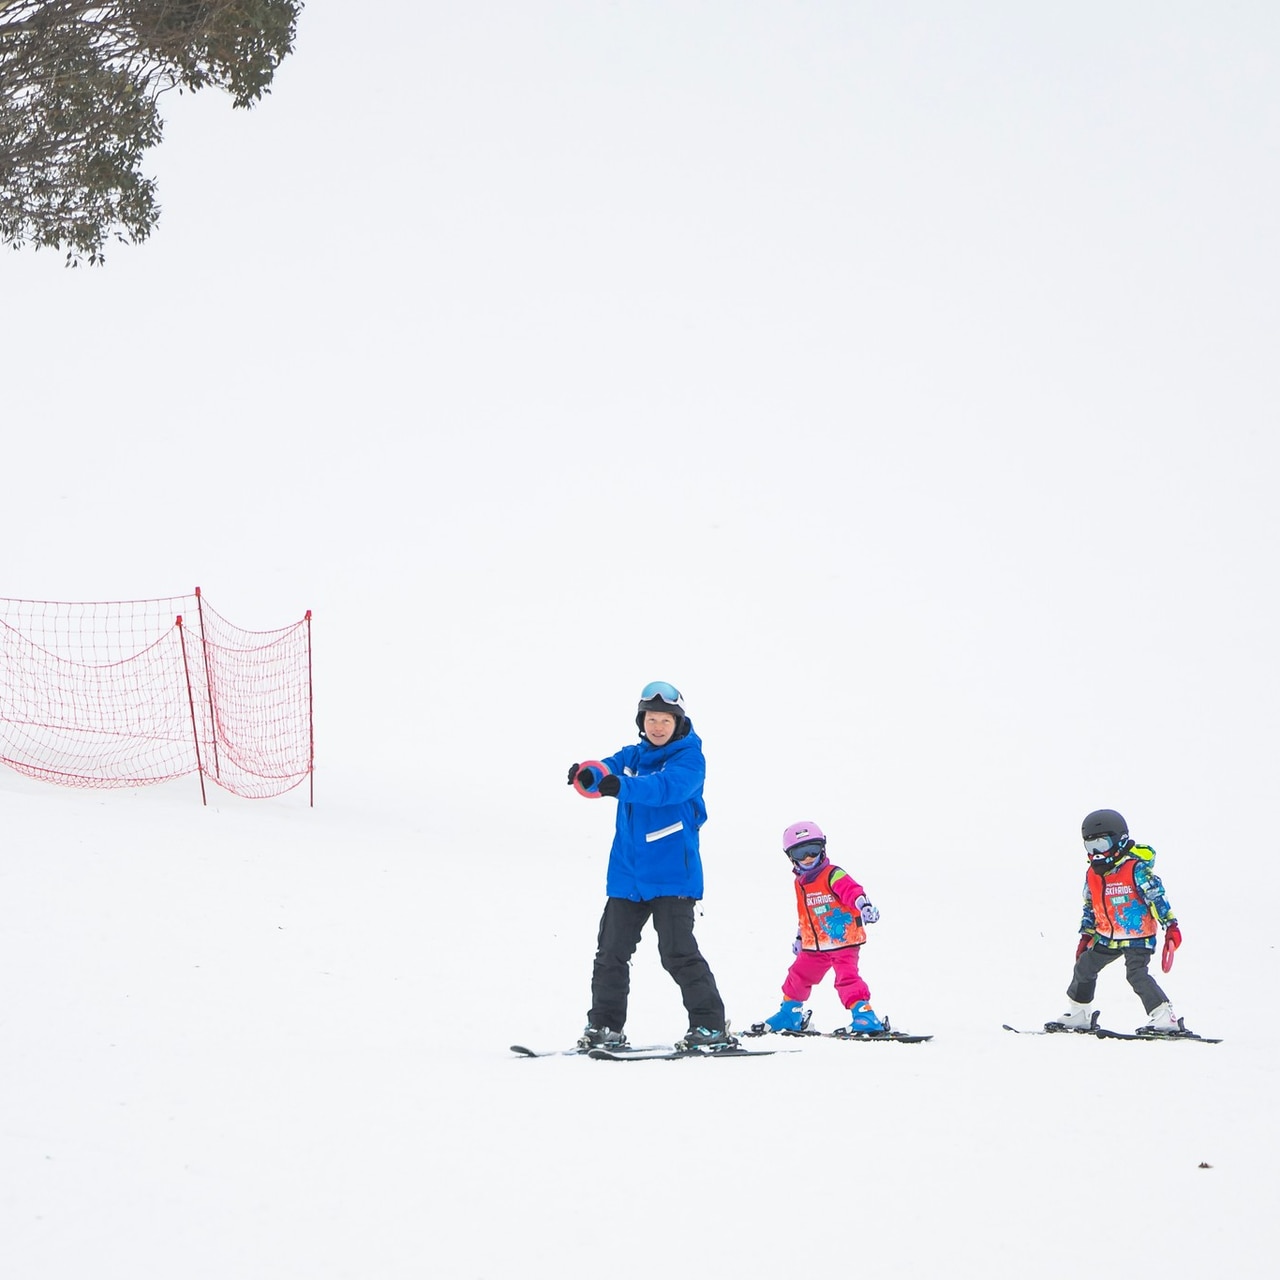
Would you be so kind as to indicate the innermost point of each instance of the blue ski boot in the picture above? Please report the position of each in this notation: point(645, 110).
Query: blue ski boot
point(864, 1021)
point(791, 1017)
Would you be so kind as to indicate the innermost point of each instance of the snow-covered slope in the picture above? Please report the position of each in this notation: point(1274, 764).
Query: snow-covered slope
point(262, 1041)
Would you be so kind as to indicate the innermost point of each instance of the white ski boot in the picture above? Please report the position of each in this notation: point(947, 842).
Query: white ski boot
point(1162, 1022)
point(1079, 1017)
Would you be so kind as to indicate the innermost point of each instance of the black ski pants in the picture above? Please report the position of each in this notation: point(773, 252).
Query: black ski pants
point(620, 928)
point(1084, 979)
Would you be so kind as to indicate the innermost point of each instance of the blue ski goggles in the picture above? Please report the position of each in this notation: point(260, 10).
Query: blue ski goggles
point(661, 689)
point(1100, 844)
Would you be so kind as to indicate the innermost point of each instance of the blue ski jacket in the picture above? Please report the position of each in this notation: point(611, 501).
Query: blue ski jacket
point(655, 850)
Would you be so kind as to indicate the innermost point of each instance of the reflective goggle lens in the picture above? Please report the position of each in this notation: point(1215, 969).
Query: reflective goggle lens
point(803, 852)
point(661, 689)
point(1100, 844)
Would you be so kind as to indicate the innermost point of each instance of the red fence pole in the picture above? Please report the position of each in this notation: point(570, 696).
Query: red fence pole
point(191, 703)
point(208, 685)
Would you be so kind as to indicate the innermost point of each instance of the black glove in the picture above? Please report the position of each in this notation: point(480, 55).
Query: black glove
point(573, 772)
point(610, 785)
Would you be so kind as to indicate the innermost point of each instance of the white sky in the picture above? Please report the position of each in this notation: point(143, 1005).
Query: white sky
point(920, 358)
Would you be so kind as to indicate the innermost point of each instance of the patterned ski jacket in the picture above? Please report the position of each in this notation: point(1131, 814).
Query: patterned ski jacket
point(827, 904)
point(655, 851)
point(1122, 908)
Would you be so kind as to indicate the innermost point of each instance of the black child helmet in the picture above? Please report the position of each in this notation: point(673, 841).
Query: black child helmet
point(1106, 838)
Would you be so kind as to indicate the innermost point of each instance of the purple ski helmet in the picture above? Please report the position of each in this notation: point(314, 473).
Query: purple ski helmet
point(802, 833)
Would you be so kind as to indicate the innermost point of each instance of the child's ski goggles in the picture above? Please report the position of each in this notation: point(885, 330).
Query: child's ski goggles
point(661, 689)
point(809, 849)
point(1100, 844)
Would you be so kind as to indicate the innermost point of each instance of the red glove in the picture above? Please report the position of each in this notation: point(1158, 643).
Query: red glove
point(1172, 941)
point(1083, 945)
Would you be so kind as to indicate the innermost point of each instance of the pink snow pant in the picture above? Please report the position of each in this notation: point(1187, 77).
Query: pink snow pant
point(810, 967)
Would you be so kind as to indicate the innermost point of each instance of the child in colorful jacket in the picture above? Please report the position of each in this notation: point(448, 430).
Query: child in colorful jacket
point(833, 908)
point(1124, 901)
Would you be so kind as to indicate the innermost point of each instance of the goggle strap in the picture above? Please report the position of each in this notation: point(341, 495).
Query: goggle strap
point(663, 692)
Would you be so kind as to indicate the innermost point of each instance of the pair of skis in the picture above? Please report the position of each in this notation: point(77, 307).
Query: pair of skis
point(841, 1033)
point(646, 1053)
point(895, 1037)
point(1105, 1033)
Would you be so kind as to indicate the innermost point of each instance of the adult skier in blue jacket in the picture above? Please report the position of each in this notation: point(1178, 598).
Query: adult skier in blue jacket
point(655, 871)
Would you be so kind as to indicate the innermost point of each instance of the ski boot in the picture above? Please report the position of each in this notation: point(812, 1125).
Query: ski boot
point(1079, 1017)
point(791, 1017)
point(601, 1038)
point(1162, 1022)
point(863, 1020)
point(707, 1040)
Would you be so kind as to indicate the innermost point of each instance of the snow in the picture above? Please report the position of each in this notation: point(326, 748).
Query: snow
point(900, 384)
point(261, 1040)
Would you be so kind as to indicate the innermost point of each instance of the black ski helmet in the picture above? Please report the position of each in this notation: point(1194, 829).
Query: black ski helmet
point(1105, 822)
point(1106, 840)
point(660, 696)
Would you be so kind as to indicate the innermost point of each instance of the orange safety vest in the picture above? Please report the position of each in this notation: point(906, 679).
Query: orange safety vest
point(826, 924)
point(1118, 908)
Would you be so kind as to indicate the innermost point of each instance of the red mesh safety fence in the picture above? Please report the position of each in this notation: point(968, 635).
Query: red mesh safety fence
point(127, 693)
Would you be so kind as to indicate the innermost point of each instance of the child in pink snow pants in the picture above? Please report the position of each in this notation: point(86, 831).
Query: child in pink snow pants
point(832, 908)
